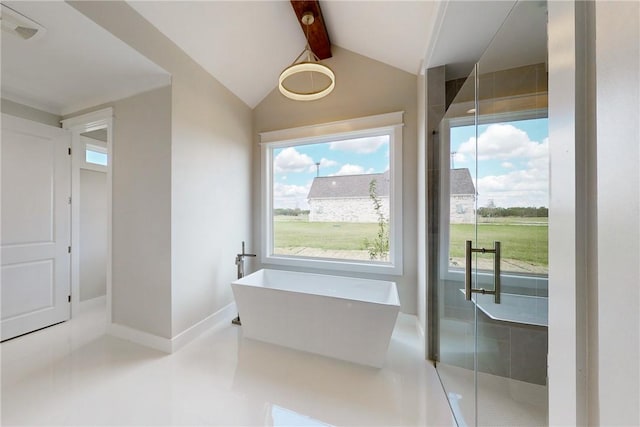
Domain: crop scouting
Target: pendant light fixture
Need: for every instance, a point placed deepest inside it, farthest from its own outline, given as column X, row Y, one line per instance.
column 307, row 62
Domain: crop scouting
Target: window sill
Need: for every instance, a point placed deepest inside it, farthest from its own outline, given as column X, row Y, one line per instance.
column 354, row 266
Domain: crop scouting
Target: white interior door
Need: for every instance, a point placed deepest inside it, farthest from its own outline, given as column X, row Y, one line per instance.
column 36, row 189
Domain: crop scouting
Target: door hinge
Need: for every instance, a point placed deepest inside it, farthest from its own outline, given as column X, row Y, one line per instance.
column 69, row 199
column 69, row 249
column 69, row 150
column 69, row 298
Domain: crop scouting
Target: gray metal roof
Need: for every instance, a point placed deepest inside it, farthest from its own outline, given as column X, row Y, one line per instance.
column 461, row 182
column 327, row 187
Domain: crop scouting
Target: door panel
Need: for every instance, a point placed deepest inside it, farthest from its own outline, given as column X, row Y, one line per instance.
column 457, row 316
column 27, row 288
column 493, row 188
column 36, row 186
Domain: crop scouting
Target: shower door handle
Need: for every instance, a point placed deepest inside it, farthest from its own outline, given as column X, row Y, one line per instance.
column 468, row 290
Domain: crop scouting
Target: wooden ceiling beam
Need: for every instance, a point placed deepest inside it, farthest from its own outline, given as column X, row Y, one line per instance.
column 318, row 36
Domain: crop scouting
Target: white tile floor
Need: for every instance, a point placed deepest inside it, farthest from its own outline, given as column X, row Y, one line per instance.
column 74, row 374
column 501, row 401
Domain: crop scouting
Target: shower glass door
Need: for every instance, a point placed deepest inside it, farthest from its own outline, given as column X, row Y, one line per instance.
column 492, row 261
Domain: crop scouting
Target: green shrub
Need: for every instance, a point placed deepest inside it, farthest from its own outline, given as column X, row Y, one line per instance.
column 378, row 247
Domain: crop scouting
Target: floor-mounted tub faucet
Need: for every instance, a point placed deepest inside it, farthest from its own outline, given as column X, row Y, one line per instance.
column 240, row 263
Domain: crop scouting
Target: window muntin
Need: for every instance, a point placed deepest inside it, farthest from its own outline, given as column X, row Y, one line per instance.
column 329, row 225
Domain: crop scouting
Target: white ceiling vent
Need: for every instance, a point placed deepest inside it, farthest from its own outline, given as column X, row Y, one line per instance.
column 15, row 23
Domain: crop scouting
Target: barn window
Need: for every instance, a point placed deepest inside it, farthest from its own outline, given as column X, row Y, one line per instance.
column 332, row 195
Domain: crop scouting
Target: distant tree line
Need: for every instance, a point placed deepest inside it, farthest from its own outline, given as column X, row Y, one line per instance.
column 290, row 212
column 530, row 212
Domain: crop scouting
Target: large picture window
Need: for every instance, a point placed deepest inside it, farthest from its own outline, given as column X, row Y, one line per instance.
column 332, row 195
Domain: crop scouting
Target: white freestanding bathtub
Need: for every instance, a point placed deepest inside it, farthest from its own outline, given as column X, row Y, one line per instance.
column 341, row 317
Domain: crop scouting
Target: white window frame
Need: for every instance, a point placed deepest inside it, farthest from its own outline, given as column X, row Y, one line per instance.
column 388, row 124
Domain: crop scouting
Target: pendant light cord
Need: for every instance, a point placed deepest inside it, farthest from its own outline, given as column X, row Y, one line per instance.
column 309, row 56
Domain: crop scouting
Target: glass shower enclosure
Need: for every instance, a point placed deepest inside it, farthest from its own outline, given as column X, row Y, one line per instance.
column 490, row 313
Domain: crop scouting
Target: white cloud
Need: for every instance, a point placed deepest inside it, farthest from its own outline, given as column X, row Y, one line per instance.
column 523, row 187
column 324, row 163
column 503, row 141
column 366, row 145
column 350, row 169
column 290, row 160
column 527, row 186
column 458, row 157
column 290, row 196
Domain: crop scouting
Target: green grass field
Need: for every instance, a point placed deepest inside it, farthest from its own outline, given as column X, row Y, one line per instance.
column 323, row 235
column 522, row 242
column 523, row 239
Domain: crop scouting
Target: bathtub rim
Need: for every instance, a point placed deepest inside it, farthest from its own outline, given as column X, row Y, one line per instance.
column 396, row 303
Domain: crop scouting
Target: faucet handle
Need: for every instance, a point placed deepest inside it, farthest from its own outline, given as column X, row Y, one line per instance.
column 240, row 256
column 243, row 254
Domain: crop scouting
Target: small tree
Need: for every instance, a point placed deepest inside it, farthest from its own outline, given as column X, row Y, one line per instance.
column 378, row 247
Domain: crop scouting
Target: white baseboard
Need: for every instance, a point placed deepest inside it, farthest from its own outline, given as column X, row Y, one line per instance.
column 92, row 303
column 217, row 320
column 139, row 337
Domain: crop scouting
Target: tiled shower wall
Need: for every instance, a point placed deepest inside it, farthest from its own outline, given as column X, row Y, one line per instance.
column 507, row 349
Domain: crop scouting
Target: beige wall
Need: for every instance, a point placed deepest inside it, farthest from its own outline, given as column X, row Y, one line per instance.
column 210, row 163
column 141, row 232
column 211, row 188
column 364, row 87
column 141, row 217
column 618, row 211
column 594, row 246
column 29, row 113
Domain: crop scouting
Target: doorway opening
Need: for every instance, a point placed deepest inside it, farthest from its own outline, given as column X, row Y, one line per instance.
column 91, row 177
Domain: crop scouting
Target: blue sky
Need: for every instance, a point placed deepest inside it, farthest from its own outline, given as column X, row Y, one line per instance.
column 513, row 161
column 295, row 167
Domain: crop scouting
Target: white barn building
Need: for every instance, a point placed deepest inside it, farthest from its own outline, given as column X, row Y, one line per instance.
column 346, row 198
column 462, row 197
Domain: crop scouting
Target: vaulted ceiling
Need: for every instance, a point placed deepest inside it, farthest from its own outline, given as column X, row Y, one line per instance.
column 246, row 44
column 243, row 44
